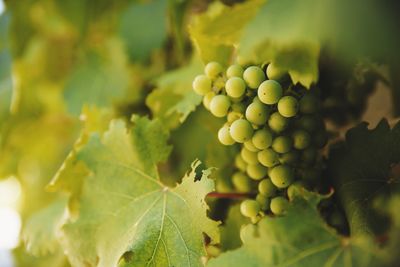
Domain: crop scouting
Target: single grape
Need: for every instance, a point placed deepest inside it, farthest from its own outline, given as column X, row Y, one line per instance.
column 207, row 99
column 241, row 130
column 224, row 136
column 282, row 176
column 248, row 156
column 201, row 84
column 263, row 201
column 301, row 139
column 279, row 205
column 253, row 76
column 235, row 87
column 234, row 71
column 233, row 115
column 267, row 188
column 239, row 107
column 282, row 144
column 256, row 171
column 309, row 104
column 240, row 163
column 249, row 145
column 288, row 106
column 219, row 105
column 274, row 73
column 236, row 99
column 250, row 208
column 268, row 157
column 241, row 182
column 291, row 157
column 270, row 92
column 257, row 113
column 295, row 189
column 262, row 139
column 223, row 184
column 213, row 69
column 256, row 100
column 277, row 122
column 309, row 155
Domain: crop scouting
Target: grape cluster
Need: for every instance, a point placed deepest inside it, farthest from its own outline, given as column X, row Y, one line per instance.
column 276, row 124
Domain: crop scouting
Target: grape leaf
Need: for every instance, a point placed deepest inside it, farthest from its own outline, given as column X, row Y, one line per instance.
column 230, row 230
column 300, row 238
column 5, row 68
column 123, row 210
column 361, row 171
column 173, row 99
column 215, row 32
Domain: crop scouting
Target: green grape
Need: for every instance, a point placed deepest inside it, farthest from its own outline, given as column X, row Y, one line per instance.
column 282, row 176
column 233, row 115
column 309, row 155
column 207, row 99
column 301, row 139
column 224, row 136
column 279, row 205
column 236, row 99
column 219, row 105
column 267, row 188
column 290, row 157
column 249, row 145
column 248, row 232
column 320, row 138
column 308, row 104
column 241, row 182
column 263, row 201
column 240, row 163
column 282, row 144
column 235, row 87
column 262, row 139
column 201, row 84
column 270, row 92
column 253, row 76
column 277, row 122
column 295, row 189
column 248, row 156
column 256, row 171
column 213, row 69
column 257, row 113
column 241, row 130
column 308, row 123
column 234, row 71
column 250, row 208
column 274, row 73
column 223, row 184
column 268, row 157
column 288, row 106
column 239, row 107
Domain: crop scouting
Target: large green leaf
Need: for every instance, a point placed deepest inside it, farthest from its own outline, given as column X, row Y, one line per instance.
column 121, row 212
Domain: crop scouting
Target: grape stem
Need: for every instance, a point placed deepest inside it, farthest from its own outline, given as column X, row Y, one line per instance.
column 230, row 195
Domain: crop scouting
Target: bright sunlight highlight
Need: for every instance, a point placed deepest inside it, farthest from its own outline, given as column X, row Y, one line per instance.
column 10, row 225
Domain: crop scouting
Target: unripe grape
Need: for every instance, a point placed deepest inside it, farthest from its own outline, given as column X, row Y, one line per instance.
column 257, row 100
column 239, row 107
column 282, row 176
column 219, row 105
column 309, row 104
column 234, row 71
column 269, row 92
column 233, row 115
column 240, row 163
column 301, row 139
column 248, row 156
column 267, row 188
column 257, row 113
column 268, row 157
column 207, row 99
column 253, row 76
column 295, row 189
column 236, row 99
column 224, row 136
column 241, row 182
column 241, row 130
column 274, row 73
column 201, row 84
column 235, row 87
column 262, row 139
column 291, row 157
column 263, row 201
column 288, row 106
column 250, row 208
column 249, row 145
column 277, row 122
column 282, row 144
column 256, row 171
column 213, row 69
column 279, row 205
column 248, row 232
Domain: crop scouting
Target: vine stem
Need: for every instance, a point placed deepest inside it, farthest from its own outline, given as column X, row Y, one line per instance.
column 229, row 195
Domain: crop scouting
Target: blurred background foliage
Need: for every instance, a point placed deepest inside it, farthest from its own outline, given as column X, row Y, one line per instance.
column 65, row 65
